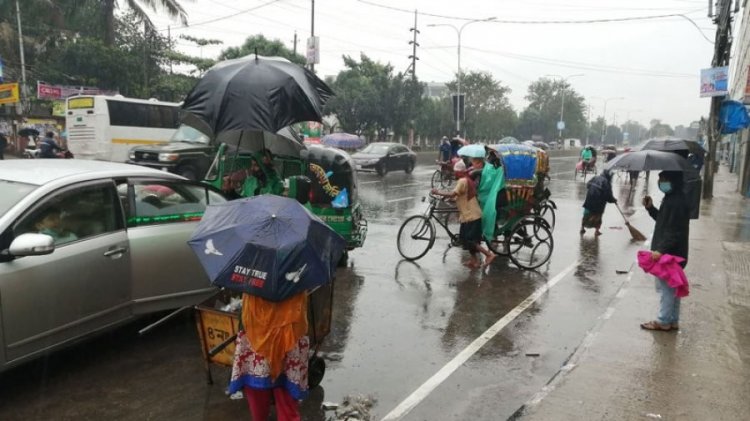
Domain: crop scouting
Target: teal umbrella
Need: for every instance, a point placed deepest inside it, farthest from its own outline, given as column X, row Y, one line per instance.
column 472, row 151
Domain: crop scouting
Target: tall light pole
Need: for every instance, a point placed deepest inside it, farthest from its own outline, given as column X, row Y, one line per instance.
column 604, row 125
column 459, row 30
column 562, row 102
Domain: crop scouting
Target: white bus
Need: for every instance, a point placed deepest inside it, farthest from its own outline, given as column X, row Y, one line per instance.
column 106, row 127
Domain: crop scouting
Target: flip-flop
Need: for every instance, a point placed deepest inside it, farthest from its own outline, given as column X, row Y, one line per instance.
column 654, row 325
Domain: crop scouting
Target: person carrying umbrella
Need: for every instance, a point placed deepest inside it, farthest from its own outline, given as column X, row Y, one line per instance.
column 670, row 237
column 272, row 250
column 48, row 148
column 598, row 194
column 3, row 145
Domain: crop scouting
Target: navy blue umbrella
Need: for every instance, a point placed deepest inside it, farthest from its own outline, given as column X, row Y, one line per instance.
column 268, row 246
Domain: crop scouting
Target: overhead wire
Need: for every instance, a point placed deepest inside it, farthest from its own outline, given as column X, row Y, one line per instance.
column 238, row 13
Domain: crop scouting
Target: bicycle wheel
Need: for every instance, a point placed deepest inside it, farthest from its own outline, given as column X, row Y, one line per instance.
column 497, row 244
column 437, row 179
column 447, row 181
column 530, row 243
column 415, row 237
column 547, row 212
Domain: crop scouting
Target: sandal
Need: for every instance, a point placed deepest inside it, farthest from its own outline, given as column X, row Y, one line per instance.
column 654, row 325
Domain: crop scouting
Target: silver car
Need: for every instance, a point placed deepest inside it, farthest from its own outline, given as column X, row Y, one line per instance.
column 88, row 245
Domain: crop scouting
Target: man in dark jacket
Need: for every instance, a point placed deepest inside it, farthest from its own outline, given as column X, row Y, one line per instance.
column 48, row 148
column 598, row 194
column 670, row 237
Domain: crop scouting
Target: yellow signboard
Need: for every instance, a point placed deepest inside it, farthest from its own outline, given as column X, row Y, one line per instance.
column 82, row 102
column 9, row 93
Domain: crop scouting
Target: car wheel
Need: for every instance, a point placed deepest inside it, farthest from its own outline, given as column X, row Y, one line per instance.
column 188, row 172
column 381, row 169
column 409, row 167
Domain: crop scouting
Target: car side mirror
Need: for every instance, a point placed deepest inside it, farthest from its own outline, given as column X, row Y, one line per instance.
column 31, row 244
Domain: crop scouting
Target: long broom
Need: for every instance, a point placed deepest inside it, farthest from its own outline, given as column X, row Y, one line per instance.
column 637, row 235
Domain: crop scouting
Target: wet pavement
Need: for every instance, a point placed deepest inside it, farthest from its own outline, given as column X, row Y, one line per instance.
column 398, row 324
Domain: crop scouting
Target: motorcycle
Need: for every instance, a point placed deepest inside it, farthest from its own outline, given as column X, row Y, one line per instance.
column 32, row 152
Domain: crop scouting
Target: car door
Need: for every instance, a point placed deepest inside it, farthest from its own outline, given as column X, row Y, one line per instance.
column 82, row 286
column 400, row 157
column 161, row 217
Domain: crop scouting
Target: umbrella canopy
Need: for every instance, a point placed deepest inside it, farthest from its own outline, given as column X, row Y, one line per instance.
column 472, row 151
column 283, row 143
column 254, row 93
column 28, row 132
column 650, row 160
column 674, row 144
column 343, row 141
column 508, row 140
column 269, row 246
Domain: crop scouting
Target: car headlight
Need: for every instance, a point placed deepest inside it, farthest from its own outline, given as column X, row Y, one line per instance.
column 168, row 157
column 131, row 156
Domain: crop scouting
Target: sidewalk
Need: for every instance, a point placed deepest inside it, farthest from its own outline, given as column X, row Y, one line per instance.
column 702, row 372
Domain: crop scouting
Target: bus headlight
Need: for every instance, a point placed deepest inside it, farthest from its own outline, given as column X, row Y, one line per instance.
column 168, row 157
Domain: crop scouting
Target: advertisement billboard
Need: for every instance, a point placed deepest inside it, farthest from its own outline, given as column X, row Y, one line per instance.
column 9, row 93
column 715, row 81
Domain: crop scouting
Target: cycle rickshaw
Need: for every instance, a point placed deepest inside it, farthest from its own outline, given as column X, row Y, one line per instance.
column 586, row 167
column 525, row 214
column 443, row 177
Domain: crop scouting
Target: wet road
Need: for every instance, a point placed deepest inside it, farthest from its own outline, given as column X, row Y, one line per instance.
column 396, row 325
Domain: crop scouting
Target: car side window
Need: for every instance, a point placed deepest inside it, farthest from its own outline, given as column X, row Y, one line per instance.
column 166, row 201
column 74, row 214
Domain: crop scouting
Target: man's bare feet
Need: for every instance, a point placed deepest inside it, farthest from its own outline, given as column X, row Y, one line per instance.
column 488, row 260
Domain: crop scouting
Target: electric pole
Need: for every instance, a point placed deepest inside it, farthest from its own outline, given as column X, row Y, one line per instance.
column 312, row 31
column 722, row 47
column 414, row 45
column 295, row 43
column 23, row 59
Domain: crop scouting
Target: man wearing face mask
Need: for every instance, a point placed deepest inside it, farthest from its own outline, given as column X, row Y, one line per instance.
column 670, row 237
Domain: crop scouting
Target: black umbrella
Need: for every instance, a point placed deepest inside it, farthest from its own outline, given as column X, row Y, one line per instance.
column 255, row 93
column 28, row 132
column 674, row 144
column 650, row 160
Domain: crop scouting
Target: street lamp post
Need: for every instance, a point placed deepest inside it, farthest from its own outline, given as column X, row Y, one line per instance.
column 604, row 115
column 562, row 103
column 459, row 30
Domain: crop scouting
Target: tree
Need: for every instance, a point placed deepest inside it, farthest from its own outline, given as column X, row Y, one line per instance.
column 264, row 47
column 172, row 7
column 636, row 132
column 596, row 128
column 659, row 129
column 487, row 113
column 545, row 96
column 370, row 98
column 613, row 135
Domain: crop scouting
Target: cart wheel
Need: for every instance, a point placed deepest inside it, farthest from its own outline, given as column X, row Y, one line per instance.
column 316, row 369
column 548, row 213
column 437, row 179
column 415, row 237
column 447, row 181
column 530, row 242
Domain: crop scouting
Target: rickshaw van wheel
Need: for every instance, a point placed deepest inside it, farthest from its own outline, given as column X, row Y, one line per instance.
column 316, row 369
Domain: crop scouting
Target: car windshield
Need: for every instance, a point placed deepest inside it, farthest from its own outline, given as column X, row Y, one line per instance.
column 190, row 135
column 11, row 193
column 376, row 149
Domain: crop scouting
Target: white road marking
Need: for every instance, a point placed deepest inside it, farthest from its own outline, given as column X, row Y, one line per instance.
column 370, row 182
column 438, row 378
column 400, row 200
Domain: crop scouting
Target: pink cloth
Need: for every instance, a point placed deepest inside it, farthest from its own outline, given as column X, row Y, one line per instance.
column 668, row 269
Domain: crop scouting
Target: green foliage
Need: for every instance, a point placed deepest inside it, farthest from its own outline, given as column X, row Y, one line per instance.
column 545, row 98
column 369, row 97
column 264, row 47
column 487, row 111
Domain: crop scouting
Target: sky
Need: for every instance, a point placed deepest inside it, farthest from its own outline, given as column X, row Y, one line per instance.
column 642, row 69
